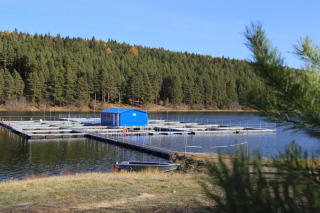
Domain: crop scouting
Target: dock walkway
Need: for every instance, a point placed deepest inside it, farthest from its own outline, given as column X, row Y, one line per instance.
column 125, row 142
column 78, row 132
column 15, row 129
column 74, row 128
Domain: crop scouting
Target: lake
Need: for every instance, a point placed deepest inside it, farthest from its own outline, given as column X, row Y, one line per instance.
column 20, row 157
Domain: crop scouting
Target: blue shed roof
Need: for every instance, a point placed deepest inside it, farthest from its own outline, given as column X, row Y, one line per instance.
column 120, row 110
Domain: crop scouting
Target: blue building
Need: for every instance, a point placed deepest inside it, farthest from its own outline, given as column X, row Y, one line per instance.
column 124, row 117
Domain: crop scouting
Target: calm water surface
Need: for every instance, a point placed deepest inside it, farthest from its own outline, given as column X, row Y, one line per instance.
column 267, row 145
column 19, row 156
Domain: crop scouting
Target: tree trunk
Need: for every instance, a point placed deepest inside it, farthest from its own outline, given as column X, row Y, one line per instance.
column 132, row 101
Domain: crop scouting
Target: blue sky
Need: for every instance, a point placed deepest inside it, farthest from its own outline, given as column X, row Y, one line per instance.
column 205, row 27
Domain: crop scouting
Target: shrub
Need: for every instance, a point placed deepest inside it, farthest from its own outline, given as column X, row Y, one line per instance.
column 234, row 106
column 290, row 185
column 214, row 105
column 161, row 103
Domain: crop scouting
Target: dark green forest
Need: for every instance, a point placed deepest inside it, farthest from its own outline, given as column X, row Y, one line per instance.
column 44, row 70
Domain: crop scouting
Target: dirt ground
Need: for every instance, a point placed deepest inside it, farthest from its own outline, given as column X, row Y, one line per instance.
column 149, row 108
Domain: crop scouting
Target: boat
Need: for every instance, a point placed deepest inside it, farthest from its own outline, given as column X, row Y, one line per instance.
column 143, row 165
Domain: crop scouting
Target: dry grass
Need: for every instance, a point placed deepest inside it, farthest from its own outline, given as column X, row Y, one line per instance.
column 111, row 192
column 150, row 108
column 148, row 191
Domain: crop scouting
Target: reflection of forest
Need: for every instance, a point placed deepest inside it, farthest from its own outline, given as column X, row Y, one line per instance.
column 20, row 157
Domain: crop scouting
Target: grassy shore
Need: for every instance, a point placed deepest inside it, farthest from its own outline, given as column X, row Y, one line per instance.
column 148, row 191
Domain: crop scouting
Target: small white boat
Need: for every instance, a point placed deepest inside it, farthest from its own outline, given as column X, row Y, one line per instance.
column 143, row 165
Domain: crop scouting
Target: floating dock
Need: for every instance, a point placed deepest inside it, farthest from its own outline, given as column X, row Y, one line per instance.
column 50, row 131
column 75, row 128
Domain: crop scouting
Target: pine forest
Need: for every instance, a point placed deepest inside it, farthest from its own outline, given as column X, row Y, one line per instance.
column 48, row 71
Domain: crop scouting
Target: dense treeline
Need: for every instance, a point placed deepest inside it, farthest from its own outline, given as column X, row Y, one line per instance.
column 42, row 69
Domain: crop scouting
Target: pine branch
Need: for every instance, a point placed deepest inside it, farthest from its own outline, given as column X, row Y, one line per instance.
column 294, row 95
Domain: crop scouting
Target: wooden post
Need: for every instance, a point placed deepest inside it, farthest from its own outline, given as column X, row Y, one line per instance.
column 185, row 150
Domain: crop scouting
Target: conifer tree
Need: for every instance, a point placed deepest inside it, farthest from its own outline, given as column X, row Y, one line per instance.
column 220, row 91
column 156, row 82
column 175, row 89
column 54, row 87
column 231, row 90
column 1, row 85
column 33, row 87
column 104, row 77
column 19, row 84
column 83, row 92
column 8, row 88
column 191, row 92
column 147, row 95
column 185, row 88
column 69, row 85
column 134, row 88
column 200, row 90
column 208, row 90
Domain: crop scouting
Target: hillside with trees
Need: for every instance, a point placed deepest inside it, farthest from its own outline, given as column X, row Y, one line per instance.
column 47, row 71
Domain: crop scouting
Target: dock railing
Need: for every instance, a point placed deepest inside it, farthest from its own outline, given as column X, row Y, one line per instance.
column 49, row 117
column 80, row 117
column 214, row 121
column 184, row 120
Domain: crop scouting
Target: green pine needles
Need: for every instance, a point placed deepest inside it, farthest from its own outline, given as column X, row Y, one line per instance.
column 293, row 94
column 289, row 184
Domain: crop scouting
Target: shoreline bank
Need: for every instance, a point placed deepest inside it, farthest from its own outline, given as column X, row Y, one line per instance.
column 158, row 111
column 149, row 108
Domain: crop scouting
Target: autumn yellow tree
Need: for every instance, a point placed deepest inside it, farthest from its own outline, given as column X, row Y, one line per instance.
column 108, row 50
column 134, row 51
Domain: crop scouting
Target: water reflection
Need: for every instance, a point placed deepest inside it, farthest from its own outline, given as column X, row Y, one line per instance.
column 53, row 157
column 265, row 144
column 19, row 157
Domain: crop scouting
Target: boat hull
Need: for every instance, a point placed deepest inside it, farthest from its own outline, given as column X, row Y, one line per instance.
column 140, row 166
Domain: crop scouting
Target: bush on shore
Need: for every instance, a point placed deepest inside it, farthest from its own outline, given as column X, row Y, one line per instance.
column 291, row 184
